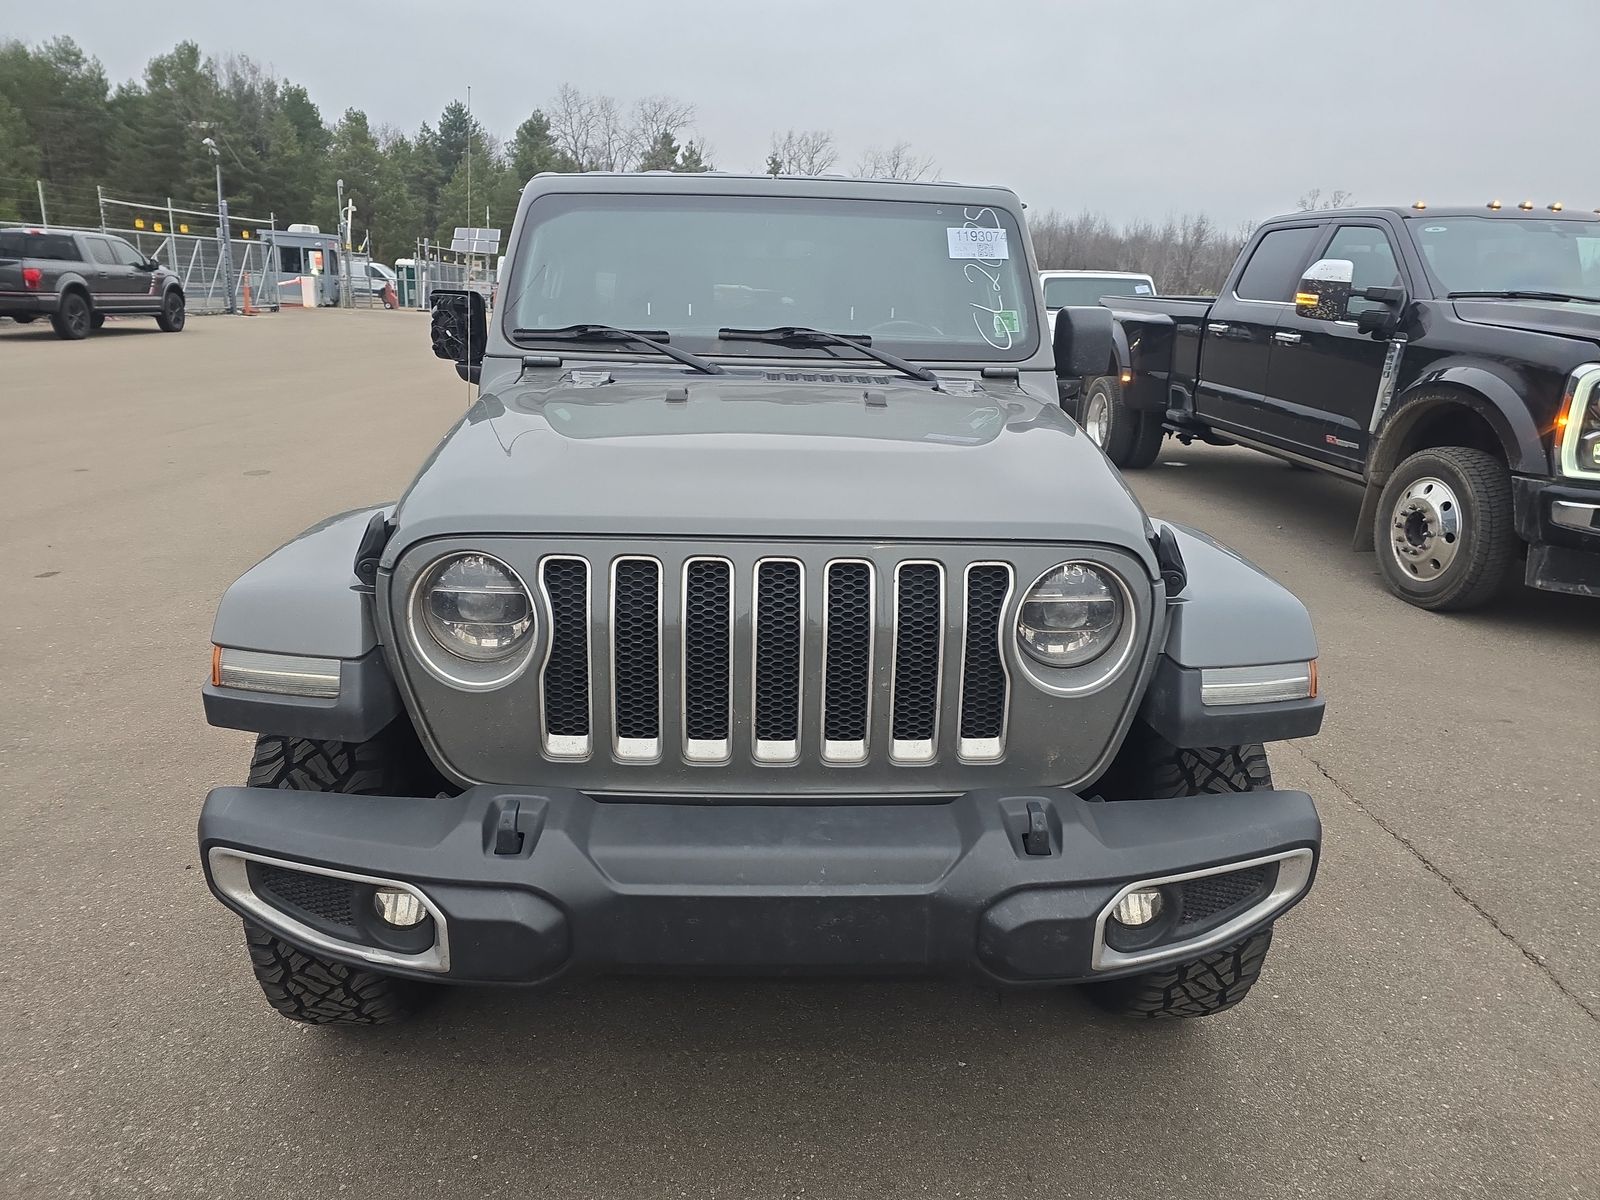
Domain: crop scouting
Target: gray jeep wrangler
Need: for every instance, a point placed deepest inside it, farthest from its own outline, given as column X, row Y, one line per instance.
column 765, row 614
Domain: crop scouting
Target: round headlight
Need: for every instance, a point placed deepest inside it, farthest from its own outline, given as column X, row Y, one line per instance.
column 1071, row 616
column 475, row 608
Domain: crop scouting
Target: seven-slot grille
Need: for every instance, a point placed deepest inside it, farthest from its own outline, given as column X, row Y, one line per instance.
column 878, row 624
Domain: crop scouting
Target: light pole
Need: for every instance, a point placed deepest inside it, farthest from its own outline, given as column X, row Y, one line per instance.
column 224, row 236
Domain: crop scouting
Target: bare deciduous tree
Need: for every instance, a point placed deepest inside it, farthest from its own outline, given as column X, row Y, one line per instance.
column 591, row 130
column 1338, row 198
column 802, row 152
column 899, row 161
column 1185, row 255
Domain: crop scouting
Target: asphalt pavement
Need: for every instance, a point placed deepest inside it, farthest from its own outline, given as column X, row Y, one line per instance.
column 1428, row 1023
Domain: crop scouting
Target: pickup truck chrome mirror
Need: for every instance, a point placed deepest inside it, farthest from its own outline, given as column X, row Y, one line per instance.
column 1324, row 291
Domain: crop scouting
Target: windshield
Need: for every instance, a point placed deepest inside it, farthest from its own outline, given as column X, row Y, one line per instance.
column 1081, row 291
column 908, row 274
column 1484, row 254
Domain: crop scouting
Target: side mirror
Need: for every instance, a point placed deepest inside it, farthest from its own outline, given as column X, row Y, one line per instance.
column 1324, row 291
column 459, row 329
column 1083, row 341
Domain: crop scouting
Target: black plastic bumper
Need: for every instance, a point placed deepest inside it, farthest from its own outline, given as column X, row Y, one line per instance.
column 533, row 883
column 1561, row 524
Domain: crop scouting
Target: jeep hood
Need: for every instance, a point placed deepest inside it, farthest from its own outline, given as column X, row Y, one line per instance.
column 741, row 457
column 1571, row 319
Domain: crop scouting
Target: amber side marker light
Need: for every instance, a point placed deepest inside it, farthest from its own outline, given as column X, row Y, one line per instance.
column 1126, row 377
column 1526, row 206
column 216, row 666
column 1557, row 206
column 1495, row 205
column 1308, row 299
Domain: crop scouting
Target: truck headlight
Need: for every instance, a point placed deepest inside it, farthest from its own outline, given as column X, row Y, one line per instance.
column 1071, row 616
column 1579, row 426
column 476, row 608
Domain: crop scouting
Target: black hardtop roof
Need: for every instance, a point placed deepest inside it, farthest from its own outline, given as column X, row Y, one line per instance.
column 723, row 183
column 1506, row 212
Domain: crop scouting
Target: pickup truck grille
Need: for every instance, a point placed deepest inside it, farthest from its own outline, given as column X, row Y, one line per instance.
column 674, row 631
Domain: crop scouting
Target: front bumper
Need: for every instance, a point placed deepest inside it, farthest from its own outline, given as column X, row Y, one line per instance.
column 521, row 886
column 1561, row 524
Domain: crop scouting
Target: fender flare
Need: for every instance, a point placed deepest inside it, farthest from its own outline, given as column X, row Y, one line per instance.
column 305, row 598
column 1486, row 392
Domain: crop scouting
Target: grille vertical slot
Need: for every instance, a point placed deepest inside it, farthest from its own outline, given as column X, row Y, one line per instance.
column 565, row 679
column 636, row 658
column 918, row 660
column 707, row 659
column 985, row 684
column 847, row 646
column 777, row 639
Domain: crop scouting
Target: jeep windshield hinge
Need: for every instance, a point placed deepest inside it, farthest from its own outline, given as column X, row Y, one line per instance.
column 373, row 540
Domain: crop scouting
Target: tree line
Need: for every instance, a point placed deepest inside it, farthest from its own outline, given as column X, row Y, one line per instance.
column 63, row 124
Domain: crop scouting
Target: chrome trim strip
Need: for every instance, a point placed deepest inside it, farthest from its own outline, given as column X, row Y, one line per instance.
column 703, row 750
column 767, row 751
column 850, row 752
column 1570, row 514
column 1294, row 876
column 916, row 750
column 229, row 871
column 567, row 746
column 985, row 750
column 637, row 750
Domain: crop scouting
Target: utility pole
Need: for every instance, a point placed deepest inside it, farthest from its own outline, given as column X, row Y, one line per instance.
column 224, row 235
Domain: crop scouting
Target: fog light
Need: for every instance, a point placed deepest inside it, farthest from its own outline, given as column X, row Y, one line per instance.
column 1138, row 908
column 399, row 908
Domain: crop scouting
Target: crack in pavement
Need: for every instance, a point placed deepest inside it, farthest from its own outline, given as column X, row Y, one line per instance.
column 1536, row 959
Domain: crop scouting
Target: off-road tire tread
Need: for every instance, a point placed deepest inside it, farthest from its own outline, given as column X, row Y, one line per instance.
column 306, row 987
column 1207, row 771
column 1492, row 546
column 320, row 992
column 1201, row 987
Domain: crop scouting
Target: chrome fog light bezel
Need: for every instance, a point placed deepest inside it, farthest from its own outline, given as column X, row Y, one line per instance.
column 1294, row 877
column 230, row 874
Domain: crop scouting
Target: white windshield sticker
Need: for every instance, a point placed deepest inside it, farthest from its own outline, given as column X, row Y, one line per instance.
column 1141, row 289
column 978, row 241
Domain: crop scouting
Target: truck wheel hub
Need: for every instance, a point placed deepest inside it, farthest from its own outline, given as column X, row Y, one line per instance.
column 1097, row 417
column 1425, row 530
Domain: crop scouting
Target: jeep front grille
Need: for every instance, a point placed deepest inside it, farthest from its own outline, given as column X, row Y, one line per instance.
column 878, row 626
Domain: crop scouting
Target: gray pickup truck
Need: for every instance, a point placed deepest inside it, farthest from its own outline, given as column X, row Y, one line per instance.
column 763, row 613
column 78, row 279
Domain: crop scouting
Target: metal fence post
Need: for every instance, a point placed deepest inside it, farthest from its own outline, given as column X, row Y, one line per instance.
column 100, row 198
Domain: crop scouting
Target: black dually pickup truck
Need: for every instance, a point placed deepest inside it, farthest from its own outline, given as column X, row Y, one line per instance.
column 1448, row 360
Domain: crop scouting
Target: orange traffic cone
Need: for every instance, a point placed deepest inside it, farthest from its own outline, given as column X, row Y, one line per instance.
column 249, row 309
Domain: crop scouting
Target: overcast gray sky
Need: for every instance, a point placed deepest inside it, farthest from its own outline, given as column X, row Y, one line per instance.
column 1129, row 107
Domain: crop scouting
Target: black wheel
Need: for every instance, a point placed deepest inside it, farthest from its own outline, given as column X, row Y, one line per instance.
column 74, row 319
column 1130, row 440
column 1443, row 531
column 306, row 987
column 173, row 313
column 98, row 320
column 1220, row 978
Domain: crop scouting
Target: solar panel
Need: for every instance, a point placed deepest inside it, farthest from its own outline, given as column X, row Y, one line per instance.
column 475, row 241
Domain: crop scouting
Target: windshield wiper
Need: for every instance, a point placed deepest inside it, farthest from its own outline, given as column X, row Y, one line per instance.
column 1519, row 294
column 800, row 335
column 656, row 339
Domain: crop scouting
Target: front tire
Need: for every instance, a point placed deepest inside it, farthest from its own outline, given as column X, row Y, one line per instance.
column 74, row 319
column 173, row 312
column 1444, row 532
column 1218, row 979
column 306, row 987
